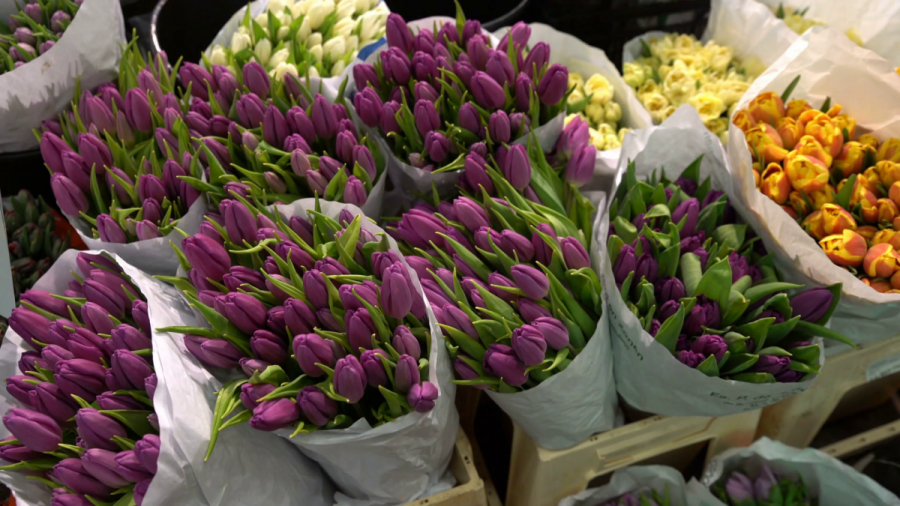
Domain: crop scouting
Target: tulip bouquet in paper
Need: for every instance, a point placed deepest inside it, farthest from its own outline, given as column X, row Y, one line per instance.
column 284, row 141
column 702, row 284
column 323, row 319
column 115, row 162
column 679, row 69
column 592, row 101
column 799, row 22
column 86, row 426
column 738, row 489
column 306, row 37
column 435, row 93
column 34, row 30
column 33, row 238
column 843, row 188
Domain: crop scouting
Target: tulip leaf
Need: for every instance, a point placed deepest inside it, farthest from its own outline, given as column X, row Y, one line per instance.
column 468, row 258
column 846, row 193
column 136, row 420
column 658, row 211
column 774, row 351
column 200, row 331
column 224, row 399
column 715, row 283
column 490, row 331
column 812, row 330
column 781, row 330
column 709, row 367
column 469, row 345
column 754, row 377
column 587, row 323
column 737, row 304
column 691, row 272
column 223, row 327
column 671, row 329
column 40, row 464
column 732, row 235
column 290, row 389
column 758, row 331
column 803, row 367
column 613, row 247
column 378, row 317
column 668, row 261
column 740, row 362
column 741, row 285
column 757, row 293
column 809, row 354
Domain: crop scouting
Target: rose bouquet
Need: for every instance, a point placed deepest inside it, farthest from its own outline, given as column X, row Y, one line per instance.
column 842, row 188
column 35, row 29
column 703, row 286
column 592, row 101
column 678, row 69
column 306, row 37
column 86, row 426
column 434, row 94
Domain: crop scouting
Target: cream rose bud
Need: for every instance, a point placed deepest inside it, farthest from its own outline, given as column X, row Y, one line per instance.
column 263, row 51
column 352, row 43
column 284, row 68
column 612, row 112
column 708, row 106
column 621, row 134
column 338, row 68
column 218, row 56
column 316, row 51
column 576, row 79
column 314, row 39
column 599, row 87
column 279, row 57
column 594, row 111
column 605, row 129
column 344, row 27
column 335, row 48
column 305, row 30
column 345, row 8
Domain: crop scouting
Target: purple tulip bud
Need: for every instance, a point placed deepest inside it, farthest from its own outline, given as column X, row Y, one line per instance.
column 17, row 453
column 531, row 281
column 256, row 79
column 704, row 314
column 72, row 473
column 101, row 464
column 501, row 361
column 553, row 84
column 317, row 407
column 398, row 34
column 487, row 92
column 407, row 373
column 360, row 328
column 300, row 123
column 500, row 68
column 469, row 118
column 690, row 358
column 47, row 398
column 669, row 289
column 207, row 256
column 388, row 117
column 38, row 432
column 771, row 364
column 554, row 331
column 59, row 21
column 517, row 167
column 811, row 305
column 25, row 35
column 536, row 59
column 213, row 352
column 275, row 127
column 423, row 66
column 426, row 117
column 364, row 76
column 68, row 195
column 574, row 254
column 422, row 396
column 710, row 345
column 529, row 344
column 580, row 167
column 406, row 343
column 530, row 310
column 350, row 379
column 52, row 149
column 137, row 110
column 499, row 127
column 246, row 312
column 355, row 192
column 128, row 465
column 147, row 451
column 471, row 214
column 251, row 394
column 375, row 373
column 251, row 110
column 626, row 263
column 299, row 317
column 97, row 430
column 647, row 268
column 323, row 118
column 310, row 349
column 739, row 488
column 689, row 209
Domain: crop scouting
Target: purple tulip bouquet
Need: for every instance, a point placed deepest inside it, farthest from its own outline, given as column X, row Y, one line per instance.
column 767, row 488
column 85, row 424
column 35, row 29
column 433, row 94
column 646, row 498
column 703, row 286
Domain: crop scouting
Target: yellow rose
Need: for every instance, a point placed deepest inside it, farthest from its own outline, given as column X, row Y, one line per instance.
column 599, row 89
column 597, row 139
column 662, row 114
column 686, row 43
column 680, row 80
column 708, row 106
column 719, row 56
column 612, row 112
column 634, row 74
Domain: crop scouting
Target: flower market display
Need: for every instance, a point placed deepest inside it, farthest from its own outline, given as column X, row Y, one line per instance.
column 35, row 29
column 303, row 38
column 33, row 238
column 679, row 69
column 592, row 101
column 703, row 286
column 433, row 94
column 85, row 425
column 636, row 486
column 738, row 489
column 841, row 185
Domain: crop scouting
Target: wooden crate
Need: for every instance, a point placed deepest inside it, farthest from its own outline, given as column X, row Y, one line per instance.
column 469, row 489
column 541, row 477
column 850, row 382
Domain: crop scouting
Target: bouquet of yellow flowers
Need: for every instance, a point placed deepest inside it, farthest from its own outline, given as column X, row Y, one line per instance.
column 592, row 101
column 796, row 20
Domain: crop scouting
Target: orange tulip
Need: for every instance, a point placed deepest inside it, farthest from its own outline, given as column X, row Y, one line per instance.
column 887, row 210
column 872, row 180
column 868, row 140
column 799, row 204
column 867, row 231
column 888, row 171
column 790, row 211
column 814, row 225
column 809, row 146
column 894, row 195
column 897, row 222
column 820, row 126
column 764, row 139
column 886, row 236
column 797, row 107
column 889, row 150
column 755, row 177
column 895, row 281
column 844, row 122
column 805, row 174
column 789, row 131
column 836, row 219
column 850, row 160
column 767, row 107
column 879, row 285
column 864, row 197
column 774, row 184
column 881, row 261
column 834, row 111
column 822, row 197
column 743, row 120
column 846, row 249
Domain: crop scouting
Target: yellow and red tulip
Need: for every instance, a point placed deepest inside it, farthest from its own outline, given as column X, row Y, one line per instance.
column 744, row 120
column 867, row 231
column 879, row 285
column 789, row 131
column 888, row 172
column 821, row 126
column 814, row 224
column 797, row 107
column 886, row 236
column 847, row 248
column 895, row 281
column 881, row 261
column 806, row 174
column 836, row 219
column 864, row 197
column 844, row 122
column 887, row 210
column 766, row 142
column 894, row 195
column 809, row 146
column 774, row 184
column 850, row 160
column 889, row 150
column 868, row 140
column 767, row 107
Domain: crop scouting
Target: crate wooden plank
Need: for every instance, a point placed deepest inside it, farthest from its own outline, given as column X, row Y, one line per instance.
column 469, row 489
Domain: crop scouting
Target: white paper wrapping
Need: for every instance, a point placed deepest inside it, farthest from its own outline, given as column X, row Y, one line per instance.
column 90, row 48
column 247, row 464
column 823, row 60
column 394, row 463
column 648, row 376
column 154, row 256
column 828, row 479
column 666, row 481
column 587, row 60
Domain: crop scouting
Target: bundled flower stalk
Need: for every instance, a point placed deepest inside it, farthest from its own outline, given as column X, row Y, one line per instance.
column 704, row 287
column 306, row 37
column 679, row 69
column 323, row 319
column 34, row 242
column 843, row 188
column 768, row 488
column 796, row 20
column 509, row 280
column 86, row 425
column 116, row 162
column 592, row 101
column 278, row 139
column 35, row 29
column 434, row 94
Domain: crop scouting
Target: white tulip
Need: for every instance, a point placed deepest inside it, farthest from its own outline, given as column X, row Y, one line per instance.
column 283, row 32
column 352, row 43
column 305, row 30
column 338, row 68
column 353, row 55
column 314, row 40
column 284, row 68
column 218, row 56
column 343, row 28
column 263, row 51
column 371, row 25
column 380, row 7
column 318, row 11
column 313, row 72
column 284, row 18
column 316, row 51
column 346, row 8
column 279, row 57
column 276, row 6
column 361, row 6
column 300, row 8
column 263, row 20
column 335, row 48
column 240, row 41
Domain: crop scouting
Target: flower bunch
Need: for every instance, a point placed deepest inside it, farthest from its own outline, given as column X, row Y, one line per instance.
column 679, row 69
column 34, row 242
column 796, row 20
column 323, row 318
column 435, row 93
column 306, row 37
column 700, row 285
column 87, row 424
column 768, row 488
column 592, row 101
column 34, row 30
column 843, row 188
column 510, row 282
column 116, row 159
column 645, row 498
column 282, row 140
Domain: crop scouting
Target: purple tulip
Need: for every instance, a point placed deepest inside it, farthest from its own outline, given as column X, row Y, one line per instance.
column 471, row 214
column 300, row 123
column 500, row 68
column 771, row 364
column 423, row 66
column 530, row 310
column 207, row 256
column 669, row 289
column 487, row 92
column 38, row 432
column 80, row 377
column 705, row 313
column 580, row 167
column 708, row 344
column 689, row 209
column 17, row 453
column 396, row 293
column 108, row 400
column 477, row 51
column 626, row 263
column 101, row 464
column 47, row 398
column 364, row 76
column 739, row 488
column 536, row 59
column 690, row 358
column 350, row 379
column 426, row 117
column 317, row 407
column 299, row 317
column 97, row 430
column 251, row 394
column 59, row 21
column 68, row 195
column 360, row 328
column 355, row 192
column 323, row 118
column 501, row 361
column 422, row 396
column 72, row 473
column 256, row 79
column 371, row 363
column 246, row 312
column 406, row 343
column 437, row 146
column 811, row 305
column 310, row 349
column 128, row 465
column 517, row 167
column 213, row 352
column 553, row 84
column 147, row 451
column 268, row 346
column 275, row 127
column 533, row 283
column 554, row 331
column 529, row 344
column 398, row 34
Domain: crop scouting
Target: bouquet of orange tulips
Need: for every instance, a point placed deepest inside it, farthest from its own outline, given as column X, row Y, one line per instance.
column 841, row 185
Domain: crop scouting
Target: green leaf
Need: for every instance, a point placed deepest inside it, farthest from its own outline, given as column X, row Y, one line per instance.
column 790, row 89
column 709, row 367
column 625, row 229
column 671, row 329
column 761, row 291
column 758, row 331
column 716, row 283
column 811, row 329
column 732, row 235
column 136, row 420
column 843, row 196
column 691, row 273
column 754, row 377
